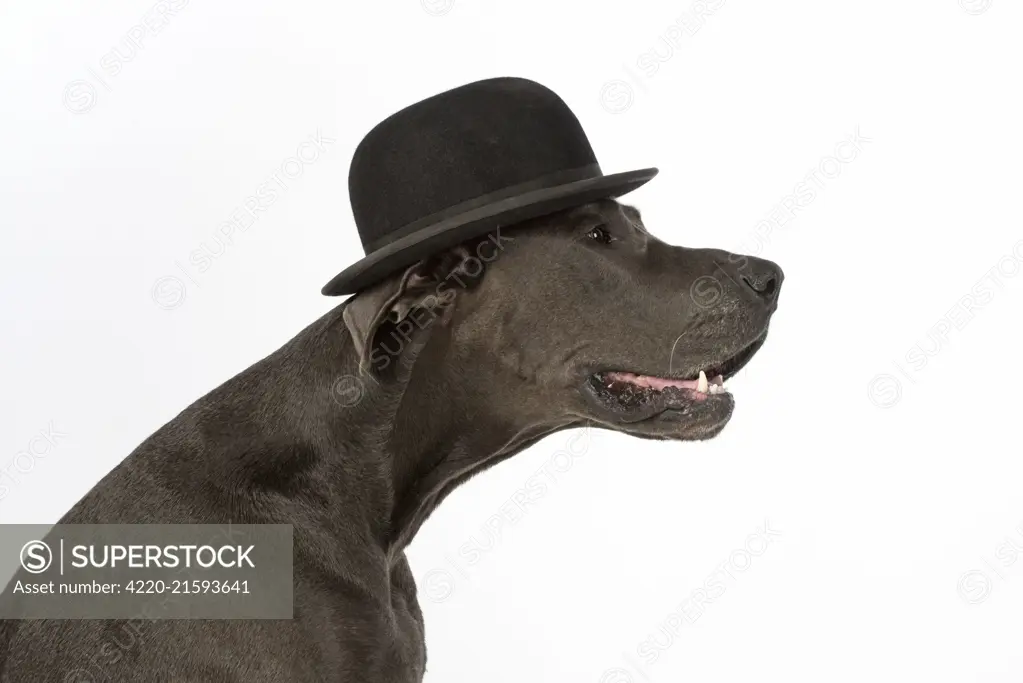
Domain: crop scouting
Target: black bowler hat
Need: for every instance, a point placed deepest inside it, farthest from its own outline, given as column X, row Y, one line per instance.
column 462, row 163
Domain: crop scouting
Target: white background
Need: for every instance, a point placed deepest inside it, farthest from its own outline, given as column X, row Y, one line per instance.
column 890, row 484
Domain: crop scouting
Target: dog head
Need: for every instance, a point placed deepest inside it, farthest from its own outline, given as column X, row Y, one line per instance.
column 578, row 316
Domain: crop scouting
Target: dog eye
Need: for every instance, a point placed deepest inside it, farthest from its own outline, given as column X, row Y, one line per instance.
column 600, row 234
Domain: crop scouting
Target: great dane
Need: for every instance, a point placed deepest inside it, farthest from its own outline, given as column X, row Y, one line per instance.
column 355, row 430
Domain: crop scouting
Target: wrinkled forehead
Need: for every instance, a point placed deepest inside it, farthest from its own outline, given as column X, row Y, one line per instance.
column 550, row 232
column 605, row 209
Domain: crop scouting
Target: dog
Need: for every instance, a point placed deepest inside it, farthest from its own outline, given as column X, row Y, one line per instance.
column 355, row 430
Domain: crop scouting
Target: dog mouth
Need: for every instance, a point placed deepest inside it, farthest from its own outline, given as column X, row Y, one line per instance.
column 698, row 393
column 628, row 385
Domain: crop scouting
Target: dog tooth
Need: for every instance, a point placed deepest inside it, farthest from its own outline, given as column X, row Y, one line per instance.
column 701, row 386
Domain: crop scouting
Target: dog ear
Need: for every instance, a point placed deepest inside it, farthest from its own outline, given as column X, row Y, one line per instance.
column 370, row 308
column 399, row 303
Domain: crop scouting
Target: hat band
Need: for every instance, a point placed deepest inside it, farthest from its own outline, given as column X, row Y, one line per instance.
column 543, row 182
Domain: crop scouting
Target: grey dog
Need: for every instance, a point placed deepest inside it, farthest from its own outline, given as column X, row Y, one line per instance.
column 355, row 430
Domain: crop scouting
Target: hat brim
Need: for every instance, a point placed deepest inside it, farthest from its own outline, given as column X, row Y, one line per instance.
column 454, row 230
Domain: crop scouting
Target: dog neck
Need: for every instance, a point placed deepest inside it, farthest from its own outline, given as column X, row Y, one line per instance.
column 306, row 437
column 437, row 427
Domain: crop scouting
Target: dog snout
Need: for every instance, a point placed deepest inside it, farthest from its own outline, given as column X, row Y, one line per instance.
column 764, row 278
column 756, row 279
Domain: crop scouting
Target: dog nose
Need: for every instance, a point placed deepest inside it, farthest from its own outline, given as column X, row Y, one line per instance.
column 764, row 278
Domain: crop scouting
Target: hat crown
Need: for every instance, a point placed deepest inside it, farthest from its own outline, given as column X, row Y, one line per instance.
column 457, row 146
